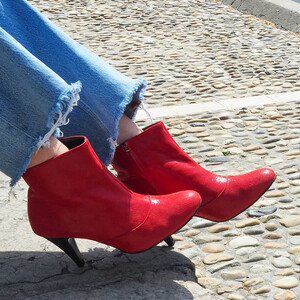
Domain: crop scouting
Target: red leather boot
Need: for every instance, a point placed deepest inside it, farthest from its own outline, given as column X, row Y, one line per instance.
column 74, row 196
column 152, row 162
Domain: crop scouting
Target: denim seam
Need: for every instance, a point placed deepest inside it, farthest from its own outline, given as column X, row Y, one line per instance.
column 89, row 111
column 77, row 86
column 61, row 108
column 17, row 128
column 138, row 89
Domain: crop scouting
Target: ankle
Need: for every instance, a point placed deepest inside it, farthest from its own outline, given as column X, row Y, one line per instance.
column 43, row 154
column 127, row 130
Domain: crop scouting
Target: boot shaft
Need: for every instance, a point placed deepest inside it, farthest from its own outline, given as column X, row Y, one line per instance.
column 74, row 193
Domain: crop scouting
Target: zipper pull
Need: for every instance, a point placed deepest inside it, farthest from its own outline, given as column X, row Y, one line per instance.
column 126, row 148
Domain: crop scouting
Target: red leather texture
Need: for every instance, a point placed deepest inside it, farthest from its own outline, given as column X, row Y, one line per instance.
column 152, row 162
column 74, row 195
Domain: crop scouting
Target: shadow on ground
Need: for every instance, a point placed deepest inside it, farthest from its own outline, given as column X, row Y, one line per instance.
column 154, row 274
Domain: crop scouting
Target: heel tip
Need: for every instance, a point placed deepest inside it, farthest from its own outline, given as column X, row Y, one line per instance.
column 170, row 241
column 80, row 264
column 69, row 246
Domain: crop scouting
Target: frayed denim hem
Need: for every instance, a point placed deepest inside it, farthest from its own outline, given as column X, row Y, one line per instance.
column 137, row 94
column 57, row 117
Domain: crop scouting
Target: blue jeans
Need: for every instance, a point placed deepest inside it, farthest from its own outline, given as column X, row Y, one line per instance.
column 42, row 73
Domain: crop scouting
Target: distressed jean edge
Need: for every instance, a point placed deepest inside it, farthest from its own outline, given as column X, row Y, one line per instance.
column 57, row 117
column 135, row 94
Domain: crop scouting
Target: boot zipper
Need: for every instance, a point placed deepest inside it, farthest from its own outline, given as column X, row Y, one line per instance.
column 126, row 148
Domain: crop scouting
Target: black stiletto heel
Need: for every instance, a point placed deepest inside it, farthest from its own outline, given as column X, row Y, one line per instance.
column 69, row 246
column 170, row 241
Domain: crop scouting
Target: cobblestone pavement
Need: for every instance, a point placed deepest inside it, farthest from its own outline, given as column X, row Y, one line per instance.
column 189, row 51
column 254, row 256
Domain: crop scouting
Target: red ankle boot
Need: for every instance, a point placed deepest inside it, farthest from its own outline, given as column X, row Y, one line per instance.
column 74, row 196
column 152, row 162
